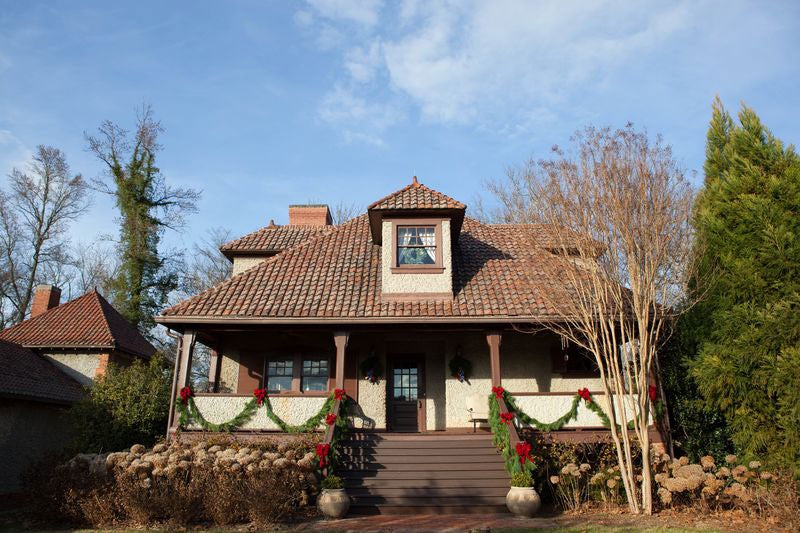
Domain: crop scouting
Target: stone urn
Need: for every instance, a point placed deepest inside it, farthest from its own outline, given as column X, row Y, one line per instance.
column 523, row 502
column 334, row 503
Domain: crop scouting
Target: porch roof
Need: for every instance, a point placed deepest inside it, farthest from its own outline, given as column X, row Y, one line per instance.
column 499, row 274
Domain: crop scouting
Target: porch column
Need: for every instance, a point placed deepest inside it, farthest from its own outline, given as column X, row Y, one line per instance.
column 493, row 340
column 340, row 338
column 185, row 361
column 183, row 358
column 214, row 368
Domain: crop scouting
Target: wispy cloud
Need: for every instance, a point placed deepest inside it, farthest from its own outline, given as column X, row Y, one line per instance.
column 511, row 66
column 13, row 152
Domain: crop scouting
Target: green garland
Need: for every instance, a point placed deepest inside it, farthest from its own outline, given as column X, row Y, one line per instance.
column 309, row 425
column 500, row 431
column 189, row 412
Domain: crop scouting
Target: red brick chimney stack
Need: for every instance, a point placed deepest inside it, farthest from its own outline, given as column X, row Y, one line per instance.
column 45, row 297
column 309, row 215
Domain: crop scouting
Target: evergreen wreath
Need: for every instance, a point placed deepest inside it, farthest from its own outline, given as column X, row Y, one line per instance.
column 371, row 369
column 460, row 368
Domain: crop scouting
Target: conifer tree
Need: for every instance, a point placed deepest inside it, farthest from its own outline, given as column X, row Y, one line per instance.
column 747, row 328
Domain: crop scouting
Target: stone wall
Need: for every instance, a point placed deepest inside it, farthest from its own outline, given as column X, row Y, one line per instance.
column 82, row 367
column 28, row 432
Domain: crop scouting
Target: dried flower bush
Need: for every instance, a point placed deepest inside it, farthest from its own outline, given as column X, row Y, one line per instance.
column 178, row 485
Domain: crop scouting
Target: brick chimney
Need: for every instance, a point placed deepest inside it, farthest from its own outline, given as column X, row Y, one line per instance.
column 45, row 297
column 309, row 215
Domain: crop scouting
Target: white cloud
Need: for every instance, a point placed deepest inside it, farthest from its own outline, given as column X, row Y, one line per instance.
column 357, row 118
column 511, row 66
column 365, row 12
column 13, row 153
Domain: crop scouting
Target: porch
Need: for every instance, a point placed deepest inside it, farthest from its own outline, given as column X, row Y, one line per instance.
column 412, row 389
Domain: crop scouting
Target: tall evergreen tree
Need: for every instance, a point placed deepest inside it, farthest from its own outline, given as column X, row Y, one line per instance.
column 747, row 329
column 147, row 207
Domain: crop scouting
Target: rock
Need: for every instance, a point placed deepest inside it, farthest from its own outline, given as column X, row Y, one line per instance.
column 158, row 448
column 214, row 449
column 244, row 451
column 271, row 456
column 290, row 454
column 235, row 467
column 138, row 449
column 264, row 464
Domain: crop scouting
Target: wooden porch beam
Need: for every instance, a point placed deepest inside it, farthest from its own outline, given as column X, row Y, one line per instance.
column 340, row 338
column 493, row 339
column 214, row 369
column 185, row 361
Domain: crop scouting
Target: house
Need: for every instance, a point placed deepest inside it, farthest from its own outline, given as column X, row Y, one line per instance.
column 382, row 306
column 45, row 363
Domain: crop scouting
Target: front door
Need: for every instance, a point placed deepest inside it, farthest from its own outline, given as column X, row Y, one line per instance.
column 406, row 408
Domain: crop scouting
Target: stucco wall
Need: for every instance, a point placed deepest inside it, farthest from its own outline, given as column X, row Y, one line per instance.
column 372, row 401
column 525, row 366
column 435, row 372
column 242, row 263
column 416, row 283
column 293, row 411
column 229, row 371
column 28, row 431
column 81, row 367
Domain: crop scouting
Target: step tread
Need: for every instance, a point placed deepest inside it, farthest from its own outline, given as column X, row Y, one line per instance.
column 458, row 500
column 393, row 483
column 425, row 475
column 427, row 492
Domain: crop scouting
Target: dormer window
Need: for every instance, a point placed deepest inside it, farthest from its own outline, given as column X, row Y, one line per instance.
column 417, row 246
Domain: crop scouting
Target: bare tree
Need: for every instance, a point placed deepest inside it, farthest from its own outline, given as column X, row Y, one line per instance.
column 343, row 212
column 207, row 266
column 618, row 209
column 94, row 266
column 35, row 214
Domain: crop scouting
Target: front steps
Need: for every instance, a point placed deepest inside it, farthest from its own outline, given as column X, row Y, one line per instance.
column 391, row 473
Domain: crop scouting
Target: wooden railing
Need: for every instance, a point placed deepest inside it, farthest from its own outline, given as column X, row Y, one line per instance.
column 329, row 434
column 513, row 435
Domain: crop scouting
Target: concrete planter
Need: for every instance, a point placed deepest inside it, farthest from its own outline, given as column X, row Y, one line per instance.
column 523, row 502
column 334, row 503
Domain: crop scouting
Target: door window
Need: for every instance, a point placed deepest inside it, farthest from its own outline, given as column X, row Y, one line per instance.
column 405, row 382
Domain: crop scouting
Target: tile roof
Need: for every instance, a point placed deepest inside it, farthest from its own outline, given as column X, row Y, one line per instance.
column 24, row 374
column 272, row 239
column 497, row 274
column 416, row 196
column 85, row 322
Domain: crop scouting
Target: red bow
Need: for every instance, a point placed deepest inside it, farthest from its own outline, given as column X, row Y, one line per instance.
column 330, row 419
column 260, row 394
column 584, row 393
column 323, row 450
column 652, row 391
column 524, row 452
column 186, row 393
column 338, row 394
column 498, row 392
column 506, row 417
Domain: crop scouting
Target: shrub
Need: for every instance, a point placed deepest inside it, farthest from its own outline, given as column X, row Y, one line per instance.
column 522, row 479
column 126, row 406
column 332, row 482
column 179, row 485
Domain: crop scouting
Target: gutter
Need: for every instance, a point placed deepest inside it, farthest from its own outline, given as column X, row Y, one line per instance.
column 186, row 319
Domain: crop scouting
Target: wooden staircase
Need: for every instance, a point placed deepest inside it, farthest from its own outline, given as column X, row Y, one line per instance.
column 391, row 473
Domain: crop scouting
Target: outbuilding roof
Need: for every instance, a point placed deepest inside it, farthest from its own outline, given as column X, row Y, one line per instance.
column 85, row 322
column 26, row 375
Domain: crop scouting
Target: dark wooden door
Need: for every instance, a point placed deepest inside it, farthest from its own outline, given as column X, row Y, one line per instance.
column 406, row 394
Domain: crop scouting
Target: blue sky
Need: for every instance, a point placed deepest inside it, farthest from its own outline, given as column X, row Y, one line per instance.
column 271, row 103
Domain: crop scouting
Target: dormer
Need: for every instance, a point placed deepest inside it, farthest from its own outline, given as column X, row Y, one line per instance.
column 416, row 228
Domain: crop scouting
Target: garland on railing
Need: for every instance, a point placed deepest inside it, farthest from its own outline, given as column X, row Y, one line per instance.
column 499, row 422
column 189, row 413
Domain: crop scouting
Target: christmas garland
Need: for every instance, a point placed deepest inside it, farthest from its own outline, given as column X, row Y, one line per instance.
column 326, row 453
column 460, row 368
column 520, row 459
column 187, row 408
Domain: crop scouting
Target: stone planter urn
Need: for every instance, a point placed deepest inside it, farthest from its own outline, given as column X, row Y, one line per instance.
column 334, row 503
column 523, row 502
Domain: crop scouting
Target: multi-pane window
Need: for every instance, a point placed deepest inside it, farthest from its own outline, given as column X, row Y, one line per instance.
column 315, row 374
column 405, row 382
column 416, row 245
column 279, row 375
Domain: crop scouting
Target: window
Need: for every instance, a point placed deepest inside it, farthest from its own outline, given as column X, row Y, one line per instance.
column 405, row 382
column 315, row 374
column 279, row 375
column 416, row 245
column 298, row 373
